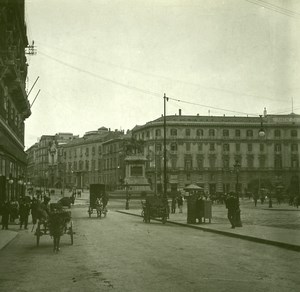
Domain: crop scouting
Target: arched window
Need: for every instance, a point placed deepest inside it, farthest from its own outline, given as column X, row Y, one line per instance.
column 249, row 133
column 225, row 133
column 173, row 146
column 199, row 132
column 173, row 132
column 211, row 133
column 277, row 133
column 294, row 133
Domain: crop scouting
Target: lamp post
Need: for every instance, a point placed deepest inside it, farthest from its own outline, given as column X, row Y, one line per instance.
column 127, row 197
column 237, row 167
column 10, row 183
column 21, row 184
column 261, row 134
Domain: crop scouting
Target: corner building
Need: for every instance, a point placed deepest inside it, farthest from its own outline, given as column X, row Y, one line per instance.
column 14, row 105
column 84, row 162
column 204, row 150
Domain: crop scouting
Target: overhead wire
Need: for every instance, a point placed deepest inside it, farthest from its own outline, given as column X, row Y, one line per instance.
column 165, row 77
column 275, row 8
column 101, row 77
column 156, row 94
column 211, row 107
column 279, row 7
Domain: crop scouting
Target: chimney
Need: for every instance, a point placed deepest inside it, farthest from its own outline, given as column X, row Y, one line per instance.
column 180, row 111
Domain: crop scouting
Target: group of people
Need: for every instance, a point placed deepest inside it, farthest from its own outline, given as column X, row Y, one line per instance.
column 20, row 210
column 177, row 201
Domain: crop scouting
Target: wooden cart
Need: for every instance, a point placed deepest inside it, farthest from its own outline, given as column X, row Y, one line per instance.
column 155, row 207
column 97, row 203
column 44, row 225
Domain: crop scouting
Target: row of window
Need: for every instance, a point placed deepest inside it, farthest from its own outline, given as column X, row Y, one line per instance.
column 85, row 165
column 188, row 162
column 212, row 133
column 225, row 147
column 106, row 149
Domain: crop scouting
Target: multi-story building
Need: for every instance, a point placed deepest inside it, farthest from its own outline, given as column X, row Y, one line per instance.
column 45, row 161
column 14, row 105
column 83, row 158
column 113, row 168
column 223, row 153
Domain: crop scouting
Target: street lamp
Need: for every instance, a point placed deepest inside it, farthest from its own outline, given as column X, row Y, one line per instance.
column 237, row 167
column 21, row 185
column 10, row 182
column 261, row 134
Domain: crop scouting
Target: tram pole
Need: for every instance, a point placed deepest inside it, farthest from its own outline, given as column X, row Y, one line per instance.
column 165, row 148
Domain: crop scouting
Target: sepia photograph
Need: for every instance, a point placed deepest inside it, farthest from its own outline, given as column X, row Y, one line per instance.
column 149, row 146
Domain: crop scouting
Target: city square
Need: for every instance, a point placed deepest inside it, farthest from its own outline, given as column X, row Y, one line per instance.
column 149, row 145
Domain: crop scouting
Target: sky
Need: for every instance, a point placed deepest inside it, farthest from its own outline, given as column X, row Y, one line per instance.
column 109, row 62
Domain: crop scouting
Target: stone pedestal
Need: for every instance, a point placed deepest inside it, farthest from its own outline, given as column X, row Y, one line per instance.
column 135, row 177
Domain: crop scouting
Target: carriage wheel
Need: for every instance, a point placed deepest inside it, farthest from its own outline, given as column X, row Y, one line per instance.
column 71, row 233
column 38, row 234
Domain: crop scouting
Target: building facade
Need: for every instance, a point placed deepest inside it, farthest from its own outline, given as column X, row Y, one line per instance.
column 222, row 153
column 45, row 161
column 83, row 158
column 14, row 105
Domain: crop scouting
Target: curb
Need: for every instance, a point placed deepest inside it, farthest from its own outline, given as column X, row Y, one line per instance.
column 225, row 233
column 7, row 242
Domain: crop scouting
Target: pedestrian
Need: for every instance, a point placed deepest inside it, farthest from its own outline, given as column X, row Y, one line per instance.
column 14, row 211
column 255, row 198
column 180, row 203
column 199, row 208
column 34, row 210
column 24, row 213
column 173, row 205
column 297, row 201
column 57, row 222
column 232, row 207
column 5, row 210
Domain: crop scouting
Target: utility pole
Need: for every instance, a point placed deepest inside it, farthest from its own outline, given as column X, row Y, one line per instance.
column 155, row 165
column 165, row 148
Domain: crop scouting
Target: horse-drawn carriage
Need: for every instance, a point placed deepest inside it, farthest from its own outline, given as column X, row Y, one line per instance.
column 54, row 221
column 155, row 207
column 98, row 200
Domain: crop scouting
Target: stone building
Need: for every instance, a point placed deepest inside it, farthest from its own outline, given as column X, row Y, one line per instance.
column 223, row 153
column 45, row 161
column 14, row 105
column 83, row 158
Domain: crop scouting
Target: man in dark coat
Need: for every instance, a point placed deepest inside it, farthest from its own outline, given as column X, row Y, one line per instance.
column 5, row 208
column 232, row 207
column 179, row 203
column 199, row 208
column 34, row 210
column 24, row 213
